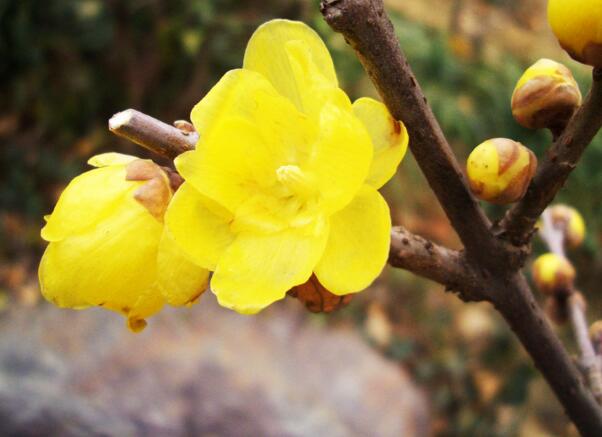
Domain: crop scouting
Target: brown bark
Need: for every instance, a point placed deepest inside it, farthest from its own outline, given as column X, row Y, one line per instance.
column 152, row 134
column 368, row 30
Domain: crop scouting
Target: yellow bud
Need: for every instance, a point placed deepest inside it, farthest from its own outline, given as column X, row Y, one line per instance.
column 553, row 274
column 578, row 26
column 105, row 235
column 546, row 96
column 595, row 334
column 571, row 222
column 499, row 170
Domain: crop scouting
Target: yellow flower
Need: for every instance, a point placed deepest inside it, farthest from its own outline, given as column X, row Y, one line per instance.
column 578, row 27
column 283, row 182
column 109, row 247
column 500, row 170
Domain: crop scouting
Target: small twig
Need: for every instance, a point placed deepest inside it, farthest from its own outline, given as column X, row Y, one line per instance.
column 589, row 361
column 440, row 264
column 152, row 134
column 553, row 237
column 553, row 172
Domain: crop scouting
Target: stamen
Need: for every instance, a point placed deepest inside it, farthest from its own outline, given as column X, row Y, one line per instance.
column 292, row 177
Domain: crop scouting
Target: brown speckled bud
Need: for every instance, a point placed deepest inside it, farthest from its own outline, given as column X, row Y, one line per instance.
column 546, row 96
column 318, row 299
column 500, row 170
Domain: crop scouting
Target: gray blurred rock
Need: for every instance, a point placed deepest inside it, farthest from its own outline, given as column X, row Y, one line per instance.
column 204, row 371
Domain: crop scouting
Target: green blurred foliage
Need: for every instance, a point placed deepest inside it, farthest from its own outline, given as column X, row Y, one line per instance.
column 67, row 66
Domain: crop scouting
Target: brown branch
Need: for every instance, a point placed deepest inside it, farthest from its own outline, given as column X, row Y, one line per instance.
column 152, row 134
column 554, row 237
column 368, row 30
column 530, row 325
column 440, row 264
column 561, row 159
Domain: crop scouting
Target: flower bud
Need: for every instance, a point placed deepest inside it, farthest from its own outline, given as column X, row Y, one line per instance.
column 577, row 24
column 500, row 170
column 595, row 334
column 571, row 222
column 553, row 274
column 108, row 247
column 546, row 96
column 317, row 298
column 556, row 309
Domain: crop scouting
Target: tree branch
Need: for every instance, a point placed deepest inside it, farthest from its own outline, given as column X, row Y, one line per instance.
column 529, row 323
column 561, row 159
column 554, row 237
column 152, row 134
column 368, row 30
column 440, row 264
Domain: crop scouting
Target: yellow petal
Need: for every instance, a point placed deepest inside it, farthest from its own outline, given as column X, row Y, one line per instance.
column 389, row 139
column 111, row 158
column 294, row 59
column 257, row 270
column 180, row 280
column 88, row 199
column 113, row 265
column 200, row 233
column 341, row 158
column 358, row 245
column 148, row 303
column 248, row 95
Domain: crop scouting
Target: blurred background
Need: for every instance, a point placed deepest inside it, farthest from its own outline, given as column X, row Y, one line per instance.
column 404, row 358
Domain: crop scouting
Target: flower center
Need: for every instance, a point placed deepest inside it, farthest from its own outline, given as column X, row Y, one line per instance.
column 293, row 178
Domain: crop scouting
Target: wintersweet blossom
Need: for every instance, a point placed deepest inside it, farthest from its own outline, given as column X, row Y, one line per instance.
column 283, row 182
column 109, row 246
column 578, row 26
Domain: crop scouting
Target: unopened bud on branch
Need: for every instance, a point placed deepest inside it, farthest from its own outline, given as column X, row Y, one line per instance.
column 571, row 222
column 577, row 24
column 546, row 96
column 500, row 170
column 317, row 298
column 595, row 333
column 553, row 274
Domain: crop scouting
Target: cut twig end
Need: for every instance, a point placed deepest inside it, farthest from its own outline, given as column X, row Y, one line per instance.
column 121, row 119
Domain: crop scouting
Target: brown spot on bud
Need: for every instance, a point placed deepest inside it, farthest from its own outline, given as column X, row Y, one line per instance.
column 155, row 194
column 317, row 298
column 508, row 153
column 396, row 126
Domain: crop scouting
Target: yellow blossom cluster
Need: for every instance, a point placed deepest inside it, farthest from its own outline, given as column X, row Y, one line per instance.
column 281, row 187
